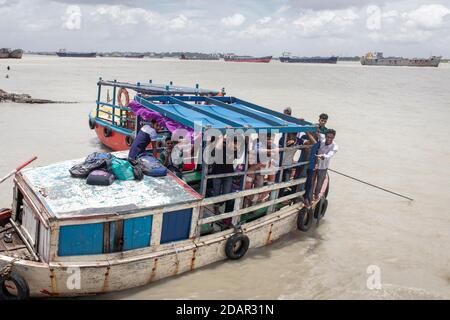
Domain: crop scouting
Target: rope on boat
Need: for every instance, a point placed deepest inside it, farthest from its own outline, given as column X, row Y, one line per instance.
column 6, row 270
column 372, row 185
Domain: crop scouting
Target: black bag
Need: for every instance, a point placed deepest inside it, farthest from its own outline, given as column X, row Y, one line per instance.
column 92, row 162
column 138, row 169
column 100, row 178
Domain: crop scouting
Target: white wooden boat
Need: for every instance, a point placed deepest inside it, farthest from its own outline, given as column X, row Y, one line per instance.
column 67, row 238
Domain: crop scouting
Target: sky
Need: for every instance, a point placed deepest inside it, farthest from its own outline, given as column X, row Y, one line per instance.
column 412, row 28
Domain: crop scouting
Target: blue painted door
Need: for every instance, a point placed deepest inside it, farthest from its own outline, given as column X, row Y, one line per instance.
column 176, row 225
column 83, row 239
column 137, row 232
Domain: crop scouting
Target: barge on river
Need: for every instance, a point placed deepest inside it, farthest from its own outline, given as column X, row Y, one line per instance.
column 377, row 59
column 63, row 237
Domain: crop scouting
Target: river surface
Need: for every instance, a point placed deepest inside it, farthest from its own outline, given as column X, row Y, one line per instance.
column 392, row 130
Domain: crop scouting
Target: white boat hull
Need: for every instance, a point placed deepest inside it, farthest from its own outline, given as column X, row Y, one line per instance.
column 140, row 267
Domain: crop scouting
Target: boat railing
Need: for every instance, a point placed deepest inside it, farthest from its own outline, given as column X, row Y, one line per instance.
column 239, row 196
column 123, row 116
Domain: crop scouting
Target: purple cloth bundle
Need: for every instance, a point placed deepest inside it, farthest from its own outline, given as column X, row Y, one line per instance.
column 171, row 125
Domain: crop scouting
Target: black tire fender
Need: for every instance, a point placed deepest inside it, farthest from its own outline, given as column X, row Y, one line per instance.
column 23, row 291
column 321, row 208
column 91, row 123
column 324, row 208
column 242, row 242
column 129, row 140
column 107, row 131
column 304, row 219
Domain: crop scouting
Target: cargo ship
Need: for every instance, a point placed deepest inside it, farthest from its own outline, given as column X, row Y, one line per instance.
column 134, row 55
column 377, row 59
column 233, row 58
column 64, row 53
column 203, row 57
column 6, row 53
column 286, row 57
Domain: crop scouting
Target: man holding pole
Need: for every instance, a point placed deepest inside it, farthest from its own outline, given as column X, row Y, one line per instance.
column 326, row 150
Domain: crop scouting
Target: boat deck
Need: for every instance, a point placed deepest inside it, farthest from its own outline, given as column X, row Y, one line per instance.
column 67, row 197
column 16, row 248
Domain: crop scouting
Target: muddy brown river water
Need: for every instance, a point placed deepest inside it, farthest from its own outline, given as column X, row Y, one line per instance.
column 392, row 130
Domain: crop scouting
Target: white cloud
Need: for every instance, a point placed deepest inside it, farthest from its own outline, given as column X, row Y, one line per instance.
column 233, row 21
column 179, row 22
column 416, row 26
column 264, row 20
column 125, row 15
column 325, row 22
column 282, row 9
column 427, row 16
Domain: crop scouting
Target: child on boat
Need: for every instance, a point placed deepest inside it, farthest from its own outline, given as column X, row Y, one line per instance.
column 172, row 157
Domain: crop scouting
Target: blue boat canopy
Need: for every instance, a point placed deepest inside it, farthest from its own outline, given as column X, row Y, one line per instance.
column 222, row 113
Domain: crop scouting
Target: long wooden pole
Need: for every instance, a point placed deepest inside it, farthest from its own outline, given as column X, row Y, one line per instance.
column 18, row 169
column 372, row 185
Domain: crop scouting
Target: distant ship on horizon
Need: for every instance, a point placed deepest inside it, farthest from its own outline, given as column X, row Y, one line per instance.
column 202, row 57
column 234, row 58
column 64, row 53
column 6, row 53
column 377, row 59
column 286, row 57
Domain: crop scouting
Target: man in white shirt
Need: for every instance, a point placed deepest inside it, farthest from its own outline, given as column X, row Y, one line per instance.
column 146, row 135
column 326, row 150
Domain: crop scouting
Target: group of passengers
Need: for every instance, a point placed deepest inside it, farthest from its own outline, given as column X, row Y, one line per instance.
column 263, row 163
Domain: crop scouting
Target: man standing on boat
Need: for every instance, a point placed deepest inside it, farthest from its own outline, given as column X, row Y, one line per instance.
column 145, row 135
column 224, row 165
column 327, row 149
column 323, row 118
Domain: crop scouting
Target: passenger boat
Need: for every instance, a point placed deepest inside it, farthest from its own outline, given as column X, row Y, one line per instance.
column 114, row 124
column 63, row 237
column 234, row 58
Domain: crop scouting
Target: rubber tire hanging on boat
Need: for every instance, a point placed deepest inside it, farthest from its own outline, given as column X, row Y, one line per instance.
column 322, row 206
column 304, row 219
column 129, row 140
column 107, row 131
column 23, row 291
column 230, row 249
column 91, row 123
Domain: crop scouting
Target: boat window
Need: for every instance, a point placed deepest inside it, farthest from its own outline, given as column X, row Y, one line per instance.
column 84, row 239
column 176, row 225
column 108, row 237
column 137, row 233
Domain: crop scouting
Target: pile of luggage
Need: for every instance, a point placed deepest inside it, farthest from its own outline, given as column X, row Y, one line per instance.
column 102, row 168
